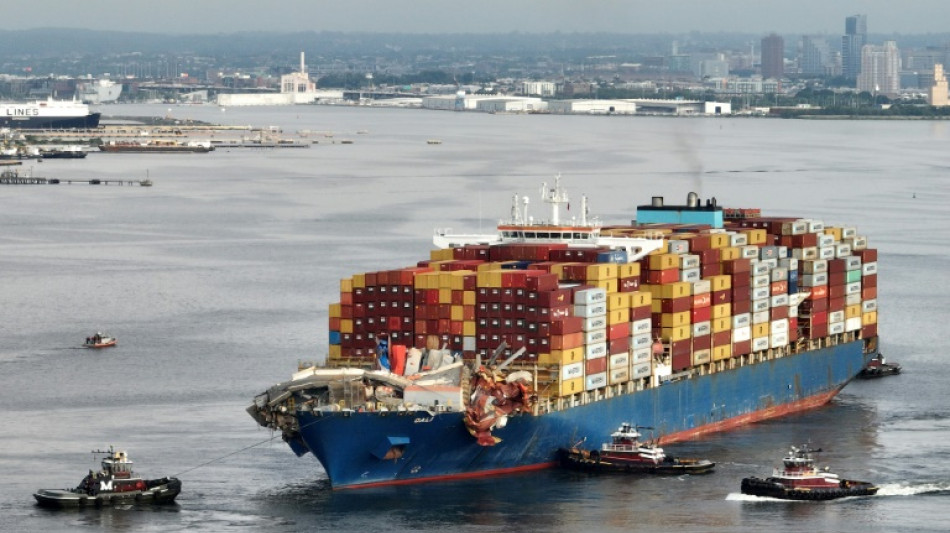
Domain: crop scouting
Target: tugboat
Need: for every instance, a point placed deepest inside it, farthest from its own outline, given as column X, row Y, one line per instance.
column 878, row 368
column 799, row 479
column 100, row 340
column 626, row 453
column 115, row 484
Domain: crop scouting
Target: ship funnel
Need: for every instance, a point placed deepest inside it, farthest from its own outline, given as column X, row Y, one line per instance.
column 657, row 201
column 692, row 199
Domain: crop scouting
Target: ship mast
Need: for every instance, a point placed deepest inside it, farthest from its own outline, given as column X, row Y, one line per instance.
column 554, row 196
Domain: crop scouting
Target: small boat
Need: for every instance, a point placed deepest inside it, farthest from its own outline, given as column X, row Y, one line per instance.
column 115, row 484
column 799, row 479
column 878, row 368
column 626, row 453
column 100, row 340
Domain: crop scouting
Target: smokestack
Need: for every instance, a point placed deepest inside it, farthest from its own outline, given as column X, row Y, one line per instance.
column 302, row 67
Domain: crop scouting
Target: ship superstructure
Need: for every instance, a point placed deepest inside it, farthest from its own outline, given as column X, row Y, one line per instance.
column 48, row 114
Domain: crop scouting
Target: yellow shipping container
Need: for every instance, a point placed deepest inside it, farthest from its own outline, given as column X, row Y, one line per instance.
column 834, row 232
column 568, row 387
column 676, row 333
column 602, row 271
column 721, row 282
column 675, row 320
column 628, row 270
column 618, row 300
column 761, row 329
column 458, row 279
column 609, row 285
column 640, row 298
column 336, row 310
column 457, row 313
column 755, row 236
column 489, row 278
column 346, row 325
column 719, row 240
column 336, row 351
column 869, row 318
column 468, row 298
column 722, row 324
column 426, row 280
column 676, row 290
column 618, row 316
column 665, row 261
column 562, row 357
column 655, row 291
column 346, row 285
column 469, row 328
column 445, row 296
column 359, row 281
column 663, row 249
column 722, row 311
column 442, row 254
column 729, row 253
column 852, row 311
column 722, row 352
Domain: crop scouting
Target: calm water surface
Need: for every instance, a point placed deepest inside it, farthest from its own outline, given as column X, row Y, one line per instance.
column 216, row 281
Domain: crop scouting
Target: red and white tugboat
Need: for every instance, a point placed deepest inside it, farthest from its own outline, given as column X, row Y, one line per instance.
column 626, row 453
column 799, row 479
column 115, row 484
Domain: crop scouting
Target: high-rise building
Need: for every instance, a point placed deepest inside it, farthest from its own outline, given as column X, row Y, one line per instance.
column 773, row 56
column 937, row 94
column 880, row 69
column 854, row 39
column 815, row 56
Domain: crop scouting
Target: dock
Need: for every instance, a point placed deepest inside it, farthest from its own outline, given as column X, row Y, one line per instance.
column 14, row 178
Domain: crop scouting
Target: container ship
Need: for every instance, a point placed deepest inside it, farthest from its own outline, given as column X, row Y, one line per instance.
column 498, row 350
column 48, row 114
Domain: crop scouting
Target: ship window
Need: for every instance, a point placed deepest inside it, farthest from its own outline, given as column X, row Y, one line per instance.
column 578, row 235
column 530, row 235
column 544, row 236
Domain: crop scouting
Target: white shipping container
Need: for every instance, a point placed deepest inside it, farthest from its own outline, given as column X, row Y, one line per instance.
column 852, row 299
column 702, row 286
column 590, row 296
column 741, row 320
column 806, row 253
column 596, row 381
column 749, row 252
column 778, row 340
column 779, row 274
column 761, row 293
column 619, row 359
column 852, row 324
column 842, row 250
column 701, row 357
column 742, row 334
column 642, row 370
column 868, row 269
column 789, row 263
column 816, row 226
column 468, row 344
column 572, row 370
column 816, row 266
column 760, row 317
column 814, row 280
column 594, row 323
column 852, row 262
column 690, row 275
column 759, row 306
column 761, row 280
column 779, row 300
column 689, row 261
column 826, row 252
column 639, row 327
column 792, row 311
column 826, row 240
column 853, row 288
column 594, row 351
column 618, row 375
column 858, row 243
column 771, row 262
column 738, row 239
column 702, row 328
column 587, row 311
column 835, row 328
column 869, row 305
column 778, row 326
column 760, row 343
column 848, row 233
column 836, row 316
column 641, row 341
column 642, row 356
column 678, row 246
column 760, row 267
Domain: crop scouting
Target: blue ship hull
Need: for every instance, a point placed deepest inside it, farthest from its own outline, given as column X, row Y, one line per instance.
column 361, row 449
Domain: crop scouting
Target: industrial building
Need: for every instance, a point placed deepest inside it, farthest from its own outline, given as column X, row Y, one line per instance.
column 592, row 107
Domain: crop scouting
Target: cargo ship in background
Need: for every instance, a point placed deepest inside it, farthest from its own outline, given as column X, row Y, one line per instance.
column 498, row 350
column 48, row 114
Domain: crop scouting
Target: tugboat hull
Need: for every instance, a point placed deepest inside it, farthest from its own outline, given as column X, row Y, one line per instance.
column 772, row 488
column 159, row 491
column 593, row 461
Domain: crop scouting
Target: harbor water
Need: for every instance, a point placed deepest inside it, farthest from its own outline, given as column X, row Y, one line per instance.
column 216, row 282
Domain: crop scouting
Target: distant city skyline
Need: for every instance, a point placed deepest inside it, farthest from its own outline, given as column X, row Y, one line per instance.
column 485, row 16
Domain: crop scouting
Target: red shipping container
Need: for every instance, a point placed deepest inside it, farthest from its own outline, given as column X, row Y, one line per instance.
column 818, row 331
column 869, row 293
column 869, row 331
column 741, row 306
column 542, row 281
column 700, row 243
column 804, row 241
column 778, row 313
column 619, row 345
column 837, row 265
column 630, row 284
column 836, row 304
column 836, row 278
column 722, row 297
column 869, row 281
column 736, row 265
column 741, row 293
column 595, row 366
column 660, row 277
column 553, row 298
column 702, row 342
column 713, row 269
column 567, row 325
column 676, row 305
column 701, row 314
column 818, row 292
column 617, row 331
column 742, row 348
column 835, row 291
column 702, row 300
column 741, row 279
column 681, row 362
column 683, row 347
column 722, row 338
column 567, row 342
column 868, row 255
column 639, row 313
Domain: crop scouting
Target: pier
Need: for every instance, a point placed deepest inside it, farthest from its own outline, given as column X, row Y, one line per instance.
column 14, row 178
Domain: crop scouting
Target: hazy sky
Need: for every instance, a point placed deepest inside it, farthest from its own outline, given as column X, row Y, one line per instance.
column 481, row 16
